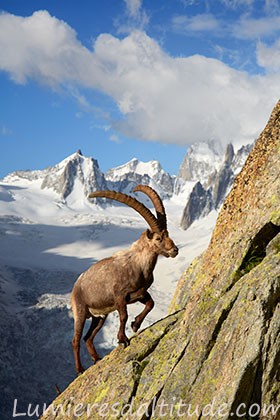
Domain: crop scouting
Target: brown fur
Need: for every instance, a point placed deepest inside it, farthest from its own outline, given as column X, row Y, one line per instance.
column 114, row 282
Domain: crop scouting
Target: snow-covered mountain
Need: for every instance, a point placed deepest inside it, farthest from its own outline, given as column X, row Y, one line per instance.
column 74, row 173
column 125, row 177
column 74, row 176
column 204, row 178
column 213, row 185
column 200, row 161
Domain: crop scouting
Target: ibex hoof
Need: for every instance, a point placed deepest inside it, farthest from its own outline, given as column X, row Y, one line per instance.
column 134, row 326
column 80, row 372
column 124, row 344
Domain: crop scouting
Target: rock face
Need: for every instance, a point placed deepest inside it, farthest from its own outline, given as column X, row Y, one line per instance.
column 199, row 204
column 216, row 355
column 224, row 178
column 201, row 160
column 75, row 169
column 210, row 194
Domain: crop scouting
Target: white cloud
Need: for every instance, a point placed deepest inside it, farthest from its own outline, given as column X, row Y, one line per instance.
column 115, row 139
column 234, row 4
column 172, row 100
column 133, row 7
column 252, row 28
column 272, row 7
column 40, row 47
column 245, row 28
column 197, row 23
column 231, row 4
column 269, row 57
column 135, row 17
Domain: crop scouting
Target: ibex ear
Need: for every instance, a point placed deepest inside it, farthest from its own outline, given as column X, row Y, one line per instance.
column 149, row 234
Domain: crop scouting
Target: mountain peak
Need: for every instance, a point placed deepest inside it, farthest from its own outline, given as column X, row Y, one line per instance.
column 201, row 160
column 137, row 166
column 74, row 172
column 125, row 177
column 229, row 154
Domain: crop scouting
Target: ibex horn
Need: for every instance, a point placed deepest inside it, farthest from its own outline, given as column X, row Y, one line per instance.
column 133, row 203
column 157, row 202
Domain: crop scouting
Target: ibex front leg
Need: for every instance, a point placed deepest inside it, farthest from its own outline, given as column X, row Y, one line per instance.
column 149, row 304
column 122, row 310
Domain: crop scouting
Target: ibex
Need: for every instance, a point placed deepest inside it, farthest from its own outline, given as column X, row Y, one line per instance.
column 113, row 283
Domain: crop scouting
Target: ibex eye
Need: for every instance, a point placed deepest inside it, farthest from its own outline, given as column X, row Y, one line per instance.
column 158, row 239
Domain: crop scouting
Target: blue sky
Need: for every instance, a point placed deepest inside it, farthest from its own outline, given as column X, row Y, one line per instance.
column 125, row 78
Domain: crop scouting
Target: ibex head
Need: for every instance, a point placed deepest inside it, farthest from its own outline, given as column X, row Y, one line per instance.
column 162, row 244
column 158, row 235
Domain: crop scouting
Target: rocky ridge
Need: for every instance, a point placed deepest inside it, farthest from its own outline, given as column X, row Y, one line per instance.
column 216, row 355
column 210, row 194
column 125, row 177
column 203, row 181
column 200, row 161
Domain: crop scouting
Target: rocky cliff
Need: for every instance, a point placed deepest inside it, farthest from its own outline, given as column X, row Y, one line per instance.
column 200, row 161
column 199, row 204
column 75, row 169
column 216, row 355
column 210, row 194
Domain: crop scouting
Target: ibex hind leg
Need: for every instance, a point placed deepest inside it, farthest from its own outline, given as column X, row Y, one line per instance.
column 79, row 322
column 96, row 325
